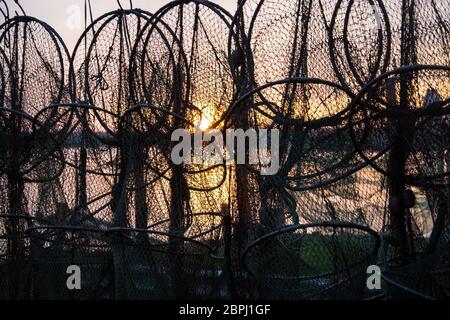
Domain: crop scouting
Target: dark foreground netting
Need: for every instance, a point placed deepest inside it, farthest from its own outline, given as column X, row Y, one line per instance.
column 325, row 260
column 122, row 263
column 358, row 91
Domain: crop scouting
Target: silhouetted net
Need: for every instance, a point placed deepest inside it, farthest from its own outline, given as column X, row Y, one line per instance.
column 359, row 94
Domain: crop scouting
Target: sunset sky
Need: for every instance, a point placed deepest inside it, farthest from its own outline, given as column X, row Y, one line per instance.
column 57, row 13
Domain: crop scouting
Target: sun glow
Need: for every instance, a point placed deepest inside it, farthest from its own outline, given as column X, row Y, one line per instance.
column 205, row 123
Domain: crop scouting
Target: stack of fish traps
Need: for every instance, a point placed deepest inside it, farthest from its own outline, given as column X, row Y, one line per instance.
column 358, row 89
